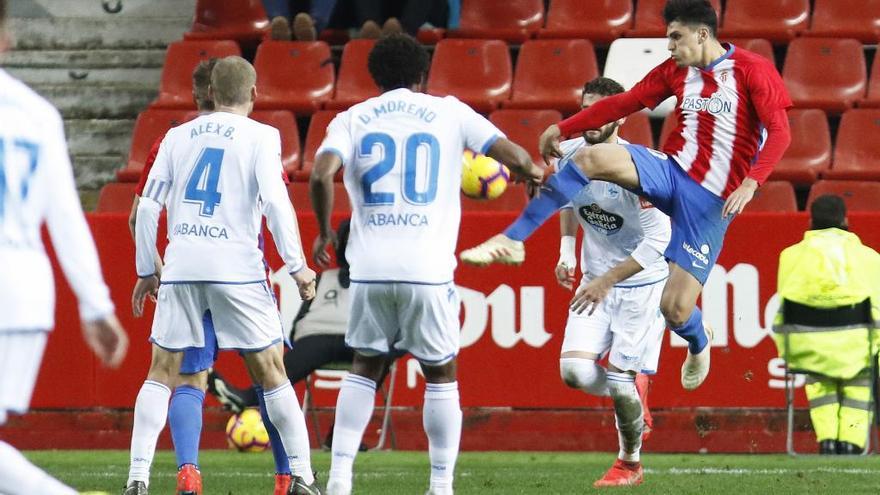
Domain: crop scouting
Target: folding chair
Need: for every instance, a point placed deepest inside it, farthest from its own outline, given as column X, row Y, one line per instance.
column 330, row 377
column 799, row 318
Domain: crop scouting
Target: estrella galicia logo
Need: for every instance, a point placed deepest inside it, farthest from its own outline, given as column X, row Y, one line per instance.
column 604, row 221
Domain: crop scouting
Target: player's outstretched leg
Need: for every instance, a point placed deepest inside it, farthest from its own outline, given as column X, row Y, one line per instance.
column 508, row 247
column 627, row 469
column 679, row 306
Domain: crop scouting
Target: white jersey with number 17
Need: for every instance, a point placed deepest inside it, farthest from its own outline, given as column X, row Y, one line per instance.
column 402, row 157
column 217, row 175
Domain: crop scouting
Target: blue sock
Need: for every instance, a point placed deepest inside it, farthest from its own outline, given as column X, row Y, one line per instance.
column 693, row 332
column 555, row 193
column 185, row 420
column 282, row 464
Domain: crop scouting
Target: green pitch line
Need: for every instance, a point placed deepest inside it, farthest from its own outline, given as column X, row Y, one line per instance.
column 502, row 473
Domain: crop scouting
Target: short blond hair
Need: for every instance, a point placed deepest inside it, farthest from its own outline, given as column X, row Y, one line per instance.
column 232, row 80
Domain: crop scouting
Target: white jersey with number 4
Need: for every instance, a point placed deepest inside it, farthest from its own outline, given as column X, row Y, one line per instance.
column 617, row 224
column 402, row 157
column 217, row 175
column 36, row 187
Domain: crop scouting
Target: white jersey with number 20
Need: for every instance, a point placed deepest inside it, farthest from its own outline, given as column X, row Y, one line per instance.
column 402, row 157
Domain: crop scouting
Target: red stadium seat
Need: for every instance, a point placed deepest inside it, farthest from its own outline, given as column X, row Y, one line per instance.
column 571, row 62
column 286, row 125
column 150, row 125
column 758, row 45
column 872, row 99
column 649, row 18
column 857, row 19
column 513, row 199
column 601, row 21
column 669, row 124
column 293, row 75
column 355, row 83
column 523, row 127
column 299, row 196
column 116, row 197
column 857, row 149
column 809, row 153
column 175, row 89
column 858, row 196
column 778, row 21
column 430, row 35
column 774, row 195
column 637, row 130
column 314, row 136
column 241, row 20
column 510, row 20
column 477, row 72
column 825, row 73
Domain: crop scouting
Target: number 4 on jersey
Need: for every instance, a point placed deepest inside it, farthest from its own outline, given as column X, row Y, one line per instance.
column 202, row 184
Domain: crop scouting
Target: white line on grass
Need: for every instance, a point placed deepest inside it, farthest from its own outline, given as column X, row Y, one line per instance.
column 775, row 471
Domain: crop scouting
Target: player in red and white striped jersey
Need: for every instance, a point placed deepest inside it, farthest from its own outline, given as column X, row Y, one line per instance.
column 732, row 129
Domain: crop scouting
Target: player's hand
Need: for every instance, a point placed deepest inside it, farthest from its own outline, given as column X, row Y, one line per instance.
column 147, row 286
column 565, row 275
column 305, row 280
column 107, row 340
column 548, row 143
column 739, row 198
column 320, row 251
column 590, row 295
column 159, row 266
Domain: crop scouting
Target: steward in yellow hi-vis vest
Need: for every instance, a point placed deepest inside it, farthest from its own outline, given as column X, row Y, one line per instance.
column 830, row 289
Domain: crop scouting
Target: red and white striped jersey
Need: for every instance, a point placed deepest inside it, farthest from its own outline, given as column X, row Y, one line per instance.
column 718, row 132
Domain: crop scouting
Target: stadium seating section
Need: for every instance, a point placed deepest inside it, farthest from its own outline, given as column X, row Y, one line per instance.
column 116, row 197
column 858, row 195
column 523, row 63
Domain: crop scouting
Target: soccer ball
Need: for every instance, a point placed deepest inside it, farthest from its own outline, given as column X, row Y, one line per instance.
column 482, row 177
column 246, row 432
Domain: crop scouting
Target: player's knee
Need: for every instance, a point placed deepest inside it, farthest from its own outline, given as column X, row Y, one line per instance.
column 586, row 160
column 198, row 380
column 675, row 313
column 581, row 374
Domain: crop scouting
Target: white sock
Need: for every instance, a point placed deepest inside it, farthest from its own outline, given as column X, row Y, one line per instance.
column 584, row 374
column 150, row 413
column 441, row 418
column 19, row 477
column 284, row 411
column 354, row 408
column 628, row 414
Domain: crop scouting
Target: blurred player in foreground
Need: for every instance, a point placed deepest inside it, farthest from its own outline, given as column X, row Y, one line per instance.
column 37, row 186
column 217, row 175
column 732, row 129
column 616, row 308
column 402, row 156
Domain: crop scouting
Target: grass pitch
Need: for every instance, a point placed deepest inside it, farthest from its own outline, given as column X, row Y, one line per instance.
column 390, row 473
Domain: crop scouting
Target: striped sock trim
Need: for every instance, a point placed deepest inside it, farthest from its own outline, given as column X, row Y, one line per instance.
column 612, row 376
column 269, row 394
column 359, row 382
column 439, row 391
column 161, row 386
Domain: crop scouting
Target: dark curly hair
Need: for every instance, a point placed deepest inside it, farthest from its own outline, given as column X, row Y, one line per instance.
column 603, row 86
column 691, row 12
column 397, row 61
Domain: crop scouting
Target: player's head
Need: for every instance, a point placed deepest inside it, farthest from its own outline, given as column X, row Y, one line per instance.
column 398, row 61
column 594, row 91
column 233, row 83
column 202, row 85
column 690, row 26
column 828, row 211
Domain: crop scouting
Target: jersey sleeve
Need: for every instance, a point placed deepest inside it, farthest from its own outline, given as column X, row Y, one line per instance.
column 767, row 90
column 158, row 185
column 655, row 86
column 148, row 165
column 338, row 139
column 276, row 205
column 568, row 149
column 657, row 230
column 478, row 133
column 69, row 231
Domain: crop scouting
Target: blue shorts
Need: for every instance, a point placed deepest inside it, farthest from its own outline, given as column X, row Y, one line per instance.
column 196, row 359
column 697, row 227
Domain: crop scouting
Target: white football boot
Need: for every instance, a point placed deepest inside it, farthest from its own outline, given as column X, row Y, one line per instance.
column 696, row 366
column 498, row 249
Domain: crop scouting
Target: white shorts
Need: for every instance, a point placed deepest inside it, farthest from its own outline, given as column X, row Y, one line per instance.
column 20, row 356
column 627, row 324
column 419, row 319
column 245, row 316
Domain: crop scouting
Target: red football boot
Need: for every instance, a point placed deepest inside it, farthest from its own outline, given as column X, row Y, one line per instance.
column 282, row 484
column 189, row 480
column 643, row 383
column 622, row 473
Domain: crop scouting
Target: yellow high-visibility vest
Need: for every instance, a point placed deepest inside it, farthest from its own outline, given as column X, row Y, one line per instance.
column 830, row 268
